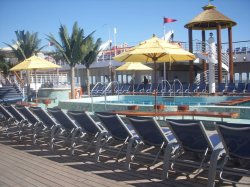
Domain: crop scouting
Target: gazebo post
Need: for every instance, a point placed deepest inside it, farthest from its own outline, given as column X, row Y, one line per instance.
column 191, row 62
column 204, row 64
column 211, row 19
column 231, row 65
column 218, row 27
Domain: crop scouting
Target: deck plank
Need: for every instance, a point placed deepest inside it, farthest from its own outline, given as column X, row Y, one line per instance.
column 26, row 165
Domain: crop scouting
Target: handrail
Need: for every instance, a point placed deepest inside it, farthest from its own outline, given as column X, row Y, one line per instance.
column 105, row 91
column 167, row 83
column 181, row 86
column 91, row 93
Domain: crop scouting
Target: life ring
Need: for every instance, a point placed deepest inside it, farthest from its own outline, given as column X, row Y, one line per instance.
column 78, row 93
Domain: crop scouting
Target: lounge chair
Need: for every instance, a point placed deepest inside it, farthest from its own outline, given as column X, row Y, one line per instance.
column 139, row 88
column 247, row 91
column 236, row 158
column 147, row 87
column 193, row 140
column 167, row 90
column 125, row 89
column 231, row 88
column 92, row 130
column 150, row 135
column 202, row 88
column 192, row 88
column 22, row 122
column 7, row 121
column 241, row 87
column 68, row 131
column 35, row 124
column 185, row 87
column 49, row 127
column 98, row 90
column 153, row 88
column 118, row 133
column 221, row 88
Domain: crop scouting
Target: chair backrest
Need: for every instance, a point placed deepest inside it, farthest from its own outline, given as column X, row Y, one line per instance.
column 248, row 88
column 191, row 135
column 27, row 114
column 140, row 87
column 125, row 88
column 114, row 125
column 193, row 87
column 160, row 88
column 147, row 88
column 202, row 87
column 241, row 87
column 230, row 87
column 62, row 118
column 17, row 115
column 85, row 121
column 185, row 86
column 149, row 131
column 154, row 87
column 235, row 139
column 43, row 116
column 5, row 112
column 221, row 87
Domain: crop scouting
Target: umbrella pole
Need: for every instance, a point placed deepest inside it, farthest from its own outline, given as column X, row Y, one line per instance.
column 133, row 88
column 155, row 83
column 35, row 86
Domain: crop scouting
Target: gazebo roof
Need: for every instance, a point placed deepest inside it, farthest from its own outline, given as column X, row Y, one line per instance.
column 209, row 18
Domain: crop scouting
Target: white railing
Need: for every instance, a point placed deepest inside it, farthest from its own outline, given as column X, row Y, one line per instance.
column 108, row 87
column 174, row 87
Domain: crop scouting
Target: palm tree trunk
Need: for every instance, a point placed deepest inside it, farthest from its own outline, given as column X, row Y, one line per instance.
column 88, row 83
column 72, row 68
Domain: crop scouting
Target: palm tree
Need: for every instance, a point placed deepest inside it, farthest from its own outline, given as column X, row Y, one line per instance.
column 90, row 58
column 25, row 45
column 73, row 48
column 5, row 66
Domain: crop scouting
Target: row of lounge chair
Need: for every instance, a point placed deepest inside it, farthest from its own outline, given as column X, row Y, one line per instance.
column 241, row 88
column 161, row 88
column 170, row 89
column 180, row 143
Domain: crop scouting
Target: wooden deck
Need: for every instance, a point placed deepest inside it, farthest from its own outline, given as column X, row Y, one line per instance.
column 179, row 113
column 24, row 165
column 234, row 101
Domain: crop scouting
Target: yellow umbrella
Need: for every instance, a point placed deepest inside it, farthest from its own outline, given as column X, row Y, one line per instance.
column 133, row 66
column 155, row 50
column 34, row 63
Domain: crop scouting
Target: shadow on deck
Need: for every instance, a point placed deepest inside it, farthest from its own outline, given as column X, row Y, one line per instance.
column 22, row 164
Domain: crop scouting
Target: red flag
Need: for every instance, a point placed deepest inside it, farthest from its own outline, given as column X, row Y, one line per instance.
column 168, row 20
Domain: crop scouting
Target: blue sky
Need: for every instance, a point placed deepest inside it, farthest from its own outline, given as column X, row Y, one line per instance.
column 135, row 20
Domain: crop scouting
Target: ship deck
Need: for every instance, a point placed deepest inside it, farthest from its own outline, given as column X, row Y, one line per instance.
column 24, row 165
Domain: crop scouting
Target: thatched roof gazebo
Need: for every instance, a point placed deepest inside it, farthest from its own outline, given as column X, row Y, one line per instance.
column 211, row 19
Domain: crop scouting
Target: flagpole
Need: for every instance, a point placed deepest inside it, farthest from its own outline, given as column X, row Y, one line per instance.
column 164, row 64
column 115, row 39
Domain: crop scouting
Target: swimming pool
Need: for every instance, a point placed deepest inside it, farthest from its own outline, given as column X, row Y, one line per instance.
column 169, row 101
column 145, row 103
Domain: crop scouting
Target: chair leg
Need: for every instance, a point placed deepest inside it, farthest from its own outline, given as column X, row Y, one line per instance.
column 170, row 149
column 98, row 146
column 129, row 154
column 213, row 166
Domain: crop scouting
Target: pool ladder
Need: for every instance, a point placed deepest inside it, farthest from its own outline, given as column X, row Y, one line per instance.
column 112, row 89
column 181, row 86
column 93, row 89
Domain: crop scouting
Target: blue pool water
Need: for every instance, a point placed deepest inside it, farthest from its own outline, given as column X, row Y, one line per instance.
column 170, row 101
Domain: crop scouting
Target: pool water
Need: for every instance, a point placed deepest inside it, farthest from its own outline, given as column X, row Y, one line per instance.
column 170, row 101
